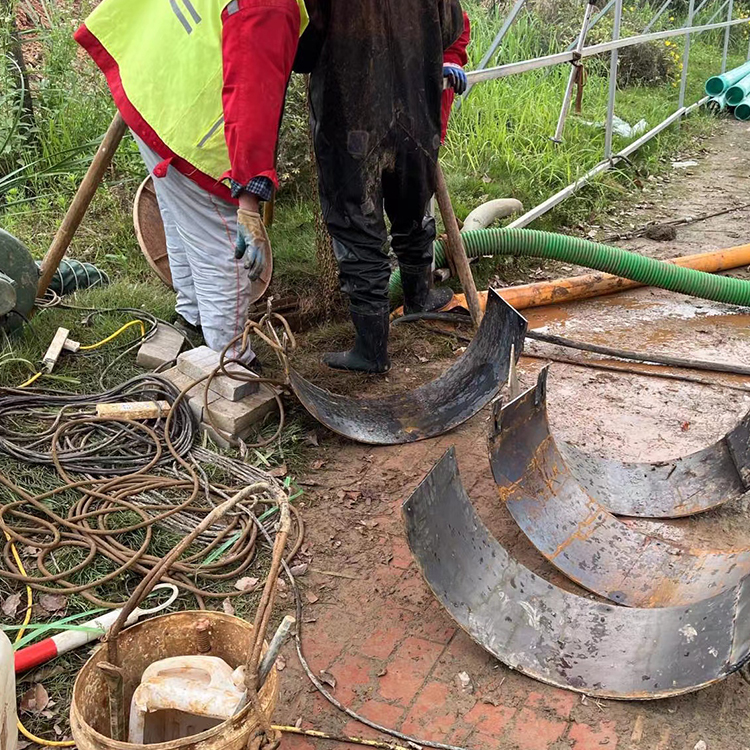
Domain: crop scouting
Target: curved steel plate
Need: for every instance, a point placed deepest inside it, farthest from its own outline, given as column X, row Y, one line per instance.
column 668, row 489
column 557, row 637
column 436, row 407
column 567, row 524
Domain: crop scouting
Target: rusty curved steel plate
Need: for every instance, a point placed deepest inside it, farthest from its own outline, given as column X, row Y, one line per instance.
column 565, row 521
column 436, row 407
column 682, row 487
column 557, row 637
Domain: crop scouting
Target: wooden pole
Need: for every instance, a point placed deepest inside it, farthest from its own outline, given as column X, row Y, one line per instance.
column 456, row 251
column 81, row 202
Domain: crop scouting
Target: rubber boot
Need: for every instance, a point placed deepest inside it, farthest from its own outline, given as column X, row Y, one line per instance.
column 419, row 294
column 370, row 350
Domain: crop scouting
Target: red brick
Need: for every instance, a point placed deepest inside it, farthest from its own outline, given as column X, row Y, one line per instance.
column 296, row 742
column 586, row 737
column 402, row 557
column 353, row 675
column 381, row 713
column 384, row 639
column 558, row 702
column 412, row 593
column 485, row 742
column 430, row 718
column 434, row 624
column 408, row 668
column 532, row 731
column 492, row 720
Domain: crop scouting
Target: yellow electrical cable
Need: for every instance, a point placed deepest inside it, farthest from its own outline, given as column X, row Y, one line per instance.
column 115, row 335
column 27, row 619
column 31, row 380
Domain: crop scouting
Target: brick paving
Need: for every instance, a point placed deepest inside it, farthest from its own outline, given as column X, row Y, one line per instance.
column 396, row 655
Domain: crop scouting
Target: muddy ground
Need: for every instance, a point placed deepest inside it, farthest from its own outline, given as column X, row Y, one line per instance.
column 371, row 621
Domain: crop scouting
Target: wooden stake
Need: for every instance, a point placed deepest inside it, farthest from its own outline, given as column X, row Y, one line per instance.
column 81, row 202
column 456, row 250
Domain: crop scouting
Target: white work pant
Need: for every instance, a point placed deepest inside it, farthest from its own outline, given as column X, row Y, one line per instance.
column 213, row 289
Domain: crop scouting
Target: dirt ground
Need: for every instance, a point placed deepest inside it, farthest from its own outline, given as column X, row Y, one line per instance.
column 370, row 620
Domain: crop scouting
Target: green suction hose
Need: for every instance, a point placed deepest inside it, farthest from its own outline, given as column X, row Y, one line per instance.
column 529, row 243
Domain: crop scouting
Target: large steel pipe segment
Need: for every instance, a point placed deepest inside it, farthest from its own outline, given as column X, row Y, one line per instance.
column 557, row 637
column 436, row 407
column 565, row 521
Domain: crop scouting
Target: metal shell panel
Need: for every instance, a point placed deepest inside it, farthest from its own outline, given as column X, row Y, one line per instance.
column 557, row 637
column 578, row 535
column 668, row 489
column 436, row 407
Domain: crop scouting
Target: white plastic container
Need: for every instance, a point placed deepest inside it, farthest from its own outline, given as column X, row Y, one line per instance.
column 8, row 719
column 183, row 696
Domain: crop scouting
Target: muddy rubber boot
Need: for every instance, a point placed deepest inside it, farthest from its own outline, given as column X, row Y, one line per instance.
column 370, row 350
column 419, row 294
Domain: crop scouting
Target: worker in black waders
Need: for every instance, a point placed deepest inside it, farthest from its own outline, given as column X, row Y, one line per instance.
column 376, row 95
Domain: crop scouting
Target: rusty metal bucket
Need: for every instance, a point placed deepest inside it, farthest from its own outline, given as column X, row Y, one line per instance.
column 432, row 409
column 557, row 637
column 564, row 519
column 153, row 640
column 149, row 229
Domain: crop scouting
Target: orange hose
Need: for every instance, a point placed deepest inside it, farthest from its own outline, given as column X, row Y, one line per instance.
column 599, row 284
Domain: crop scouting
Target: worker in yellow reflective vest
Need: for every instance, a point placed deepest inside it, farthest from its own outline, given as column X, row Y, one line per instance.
column 201, row 84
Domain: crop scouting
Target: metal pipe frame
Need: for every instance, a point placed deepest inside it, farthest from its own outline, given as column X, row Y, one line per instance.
column 658, row 15
column 730, row 13
column 603, row 166
column 595, row 20
column 515, row 10
column 612, row 82
column 557, row 137
column 525, row 66
column 686, row 57
column 575, row 53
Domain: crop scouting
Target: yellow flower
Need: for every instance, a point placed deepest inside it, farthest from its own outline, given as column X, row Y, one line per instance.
column 671, row 18
column 667, row 43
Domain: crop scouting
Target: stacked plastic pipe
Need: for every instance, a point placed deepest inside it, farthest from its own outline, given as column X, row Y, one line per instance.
column 731, row 90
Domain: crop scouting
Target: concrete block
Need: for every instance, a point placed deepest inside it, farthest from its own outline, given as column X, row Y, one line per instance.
column 237, row 418
column 202, row 361
column 195, row 396
column 219, row 438
column 164, row 346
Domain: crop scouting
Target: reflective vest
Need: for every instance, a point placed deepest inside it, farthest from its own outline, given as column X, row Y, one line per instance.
column 169, row 55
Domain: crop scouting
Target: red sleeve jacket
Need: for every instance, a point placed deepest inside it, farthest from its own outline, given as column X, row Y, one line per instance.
column 260, row 39
column 457, row 55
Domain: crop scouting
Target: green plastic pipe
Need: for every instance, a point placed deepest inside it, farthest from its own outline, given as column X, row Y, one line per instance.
column 529, row 243
column 737, row 92
column 717, row 85
column 742, row 110
column 717, row 103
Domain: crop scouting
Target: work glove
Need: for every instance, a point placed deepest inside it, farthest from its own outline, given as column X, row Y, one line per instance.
column 456, row 77
column 252, row 242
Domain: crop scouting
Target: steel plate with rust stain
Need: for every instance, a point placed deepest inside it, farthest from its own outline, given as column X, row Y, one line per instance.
column 567, row 524
column 555, row 636
column 668, row 489
column 436, row 407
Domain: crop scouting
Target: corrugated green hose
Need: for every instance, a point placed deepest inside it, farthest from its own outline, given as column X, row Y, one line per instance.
column 529, row 243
